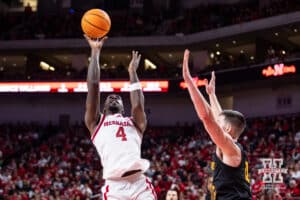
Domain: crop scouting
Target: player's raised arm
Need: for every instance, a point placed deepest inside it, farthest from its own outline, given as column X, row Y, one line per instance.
column 202, row 107
column 92, row 111
column 219, row 137
column 211, row 91
column 136, row 94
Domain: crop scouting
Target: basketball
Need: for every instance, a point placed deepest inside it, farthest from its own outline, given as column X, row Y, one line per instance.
column 95, row 23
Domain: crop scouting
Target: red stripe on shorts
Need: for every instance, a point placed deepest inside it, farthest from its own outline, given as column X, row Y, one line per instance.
column 105, row 193
column 151, row 188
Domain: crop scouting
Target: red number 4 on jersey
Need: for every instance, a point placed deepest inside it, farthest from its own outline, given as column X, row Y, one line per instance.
column 121, row 133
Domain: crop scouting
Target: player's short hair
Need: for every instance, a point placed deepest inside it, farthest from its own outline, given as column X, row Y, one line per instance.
column 236, row 119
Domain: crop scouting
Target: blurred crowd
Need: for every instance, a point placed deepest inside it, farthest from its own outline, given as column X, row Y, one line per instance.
column 45, row 162
column 152, row 21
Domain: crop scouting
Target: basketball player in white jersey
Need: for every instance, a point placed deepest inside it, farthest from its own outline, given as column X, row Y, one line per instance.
column 117, row 138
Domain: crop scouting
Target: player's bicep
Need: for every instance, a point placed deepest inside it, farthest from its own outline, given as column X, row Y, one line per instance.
column 223, row 140
column 139, row 118
column 91, row 119
column 92, row 110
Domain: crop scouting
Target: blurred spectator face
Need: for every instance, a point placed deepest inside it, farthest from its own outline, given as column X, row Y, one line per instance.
column 172, row 195
column 292, row 183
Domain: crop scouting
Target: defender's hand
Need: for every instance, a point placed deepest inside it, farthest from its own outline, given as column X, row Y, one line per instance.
column 135, row 61
column 185, row 66
column 211, row 86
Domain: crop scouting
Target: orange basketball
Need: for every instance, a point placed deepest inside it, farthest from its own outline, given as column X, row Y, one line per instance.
column 95, row 23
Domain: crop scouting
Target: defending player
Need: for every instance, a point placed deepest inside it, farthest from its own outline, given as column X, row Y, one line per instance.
column 230, row 166
column 118, row 138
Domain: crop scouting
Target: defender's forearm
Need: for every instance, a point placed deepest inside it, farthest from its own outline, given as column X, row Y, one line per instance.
column 215, row 105
column 202, row 107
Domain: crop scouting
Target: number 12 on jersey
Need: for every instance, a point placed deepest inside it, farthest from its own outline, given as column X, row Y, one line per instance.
column 121, row 133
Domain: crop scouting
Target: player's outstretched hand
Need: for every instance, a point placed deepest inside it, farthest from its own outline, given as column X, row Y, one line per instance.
column 95, row 44
column 211, row 86
column 185, row 66
column 135, row 61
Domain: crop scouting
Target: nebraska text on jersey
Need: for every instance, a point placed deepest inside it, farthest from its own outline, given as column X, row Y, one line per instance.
column 119, row 123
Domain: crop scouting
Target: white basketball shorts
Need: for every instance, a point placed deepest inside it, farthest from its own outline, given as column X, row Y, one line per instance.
column 139, row 188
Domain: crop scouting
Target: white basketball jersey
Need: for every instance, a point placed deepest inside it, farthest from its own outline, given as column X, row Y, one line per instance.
column 118, row 142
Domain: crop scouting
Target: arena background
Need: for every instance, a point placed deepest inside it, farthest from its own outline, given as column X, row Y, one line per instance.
column 253, row 46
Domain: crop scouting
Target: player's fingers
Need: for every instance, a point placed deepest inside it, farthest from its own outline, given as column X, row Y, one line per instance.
column 86, row 37
column 103, row 39
column 139, row 58
column 186, row 57
column 184, row 62
column 205, row 82
column 213, row 77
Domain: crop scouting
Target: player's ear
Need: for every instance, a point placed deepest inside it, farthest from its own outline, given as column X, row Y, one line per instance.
column 228, row 127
